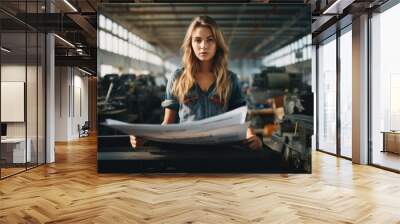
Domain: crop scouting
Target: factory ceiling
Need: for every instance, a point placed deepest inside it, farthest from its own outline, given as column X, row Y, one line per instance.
column 251, row 30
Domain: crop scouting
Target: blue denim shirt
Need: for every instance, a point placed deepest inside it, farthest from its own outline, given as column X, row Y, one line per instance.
column 198, row 104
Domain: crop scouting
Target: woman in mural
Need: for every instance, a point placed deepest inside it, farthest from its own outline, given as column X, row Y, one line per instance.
column 204, row 87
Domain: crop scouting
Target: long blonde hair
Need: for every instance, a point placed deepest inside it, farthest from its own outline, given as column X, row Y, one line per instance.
column 191, row 63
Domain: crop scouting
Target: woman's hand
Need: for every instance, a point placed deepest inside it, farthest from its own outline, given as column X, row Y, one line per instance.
column 136, row 141
column 169, row 118
column 252, row 140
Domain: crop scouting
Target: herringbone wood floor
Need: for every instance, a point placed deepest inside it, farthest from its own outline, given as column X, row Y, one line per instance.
column 71, row 191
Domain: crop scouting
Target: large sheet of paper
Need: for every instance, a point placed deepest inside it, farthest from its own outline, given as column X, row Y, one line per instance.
column 223, row 128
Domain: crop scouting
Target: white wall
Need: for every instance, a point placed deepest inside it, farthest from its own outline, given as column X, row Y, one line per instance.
column 80, row 94
column 62, row 81
column 71, row 94
column 15, row 73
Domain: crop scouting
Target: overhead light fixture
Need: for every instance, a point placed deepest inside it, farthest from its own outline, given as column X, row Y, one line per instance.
column 70, row 5
column 64, row 40
column 337, row 7
column 5, row 50
column 86, row 72
column 80, row 51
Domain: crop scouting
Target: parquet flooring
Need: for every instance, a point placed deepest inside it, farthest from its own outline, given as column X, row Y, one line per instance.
column 71, row 191
column 10, row 171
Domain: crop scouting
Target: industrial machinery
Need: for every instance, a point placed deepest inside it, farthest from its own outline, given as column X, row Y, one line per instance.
column 293, row 140
column 130, row 98
column 293, row 114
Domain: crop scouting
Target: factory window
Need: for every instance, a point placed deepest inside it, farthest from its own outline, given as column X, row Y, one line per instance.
column 385, row 88
column 102, row 40
column 292, row 53
column 141, row 55
column 141, row 43
column 136, row 52
column 109, row 24
column 134, row 39
column 129, row 46
column 109, row 42
column 133, row 51
column 120, row 46
column 121, row 32
column 115, row 38
column 102, row 22
column 130, row 37
column 346, row 93
column 115, row 47
column 327, row 95
column 115, row 28
column 125, row 48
